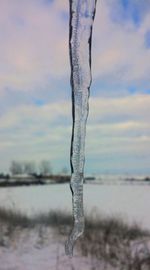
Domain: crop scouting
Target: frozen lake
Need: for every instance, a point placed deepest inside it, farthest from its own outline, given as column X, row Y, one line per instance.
column 128, row 201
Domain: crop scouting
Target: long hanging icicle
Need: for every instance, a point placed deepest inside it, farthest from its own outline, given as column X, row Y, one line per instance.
column 82, row 14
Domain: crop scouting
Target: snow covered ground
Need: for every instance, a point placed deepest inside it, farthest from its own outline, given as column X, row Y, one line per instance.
column 129, row 201
column 32, row 251
column 44, row 250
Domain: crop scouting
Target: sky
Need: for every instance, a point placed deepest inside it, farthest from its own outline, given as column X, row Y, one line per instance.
column 35, row 92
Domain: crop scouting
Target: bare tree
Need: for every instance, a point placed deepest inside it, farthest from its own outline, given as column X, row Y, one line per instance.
column 29, row 167
column 16, row 167
column 45, row 167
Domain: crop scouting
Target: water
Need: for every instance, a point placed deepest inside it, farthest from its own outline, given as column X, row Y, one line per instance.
column 82, row 14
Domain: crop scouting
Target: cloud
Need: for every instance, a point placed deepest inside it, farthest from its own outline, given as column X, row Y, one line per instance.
column 122, row 109
column 34, row 44
column 118, row 134
column 32, row 115
column 45, row 131
column 119, row 52
column 124, row 11
column 34, row 84
column 36, row 133
column 147, row 39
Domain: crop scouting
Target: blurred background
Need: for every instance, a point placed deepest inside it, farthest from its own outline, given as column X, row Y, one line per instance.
column 35, row 136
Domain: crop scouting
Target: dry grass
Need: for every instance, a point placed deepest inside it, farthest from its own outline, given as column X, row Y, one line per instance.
column 111, row 240
column 116, row 243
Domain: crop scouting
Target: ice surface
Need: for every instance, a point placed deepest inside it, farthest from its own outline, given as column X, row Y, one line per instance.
column 81, row 21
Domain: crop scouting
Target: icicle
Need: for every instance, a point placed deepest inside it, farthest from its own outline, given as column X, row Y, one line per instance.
column 81, row 21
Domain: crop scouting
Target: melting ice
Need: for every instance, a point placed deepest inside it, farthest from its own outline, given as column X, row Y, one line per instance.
column 82, row 14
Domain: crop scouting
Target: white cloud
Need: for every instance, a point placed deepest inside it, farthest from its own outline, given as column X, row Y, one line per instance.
column 34, row 52
column 34, row 44
column 128, row 108
column 33, row 115
column 119, row 53
column 45, row 131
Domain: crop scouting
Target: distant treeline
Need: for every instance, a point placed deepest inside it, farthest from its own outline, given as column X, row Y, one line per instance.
column 39, row 169
column 30, row 167
column 34, row 179
column 31, row 173
column 4, row 176
column 145, row 179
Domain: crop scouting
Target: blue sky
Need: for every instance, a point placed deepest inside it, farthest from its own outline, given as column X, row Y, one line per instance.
column 35, row 92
